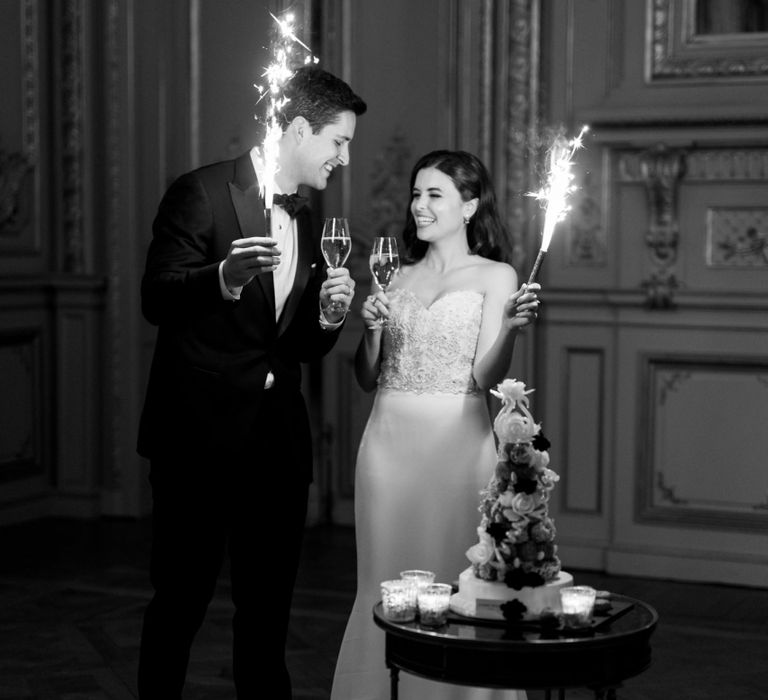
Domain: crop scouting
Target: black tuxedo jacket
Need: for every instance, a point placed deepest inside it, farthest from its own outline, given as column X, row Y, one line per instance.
column 206, row 386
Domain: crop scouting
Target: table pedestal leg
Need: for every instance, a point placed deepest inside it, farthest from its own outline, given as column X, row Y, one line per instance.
column 393, row 678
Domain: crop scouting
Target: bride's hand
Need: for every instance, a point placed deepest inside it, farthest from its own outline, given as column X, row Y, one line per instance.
column 375, row 308
column 522, row 307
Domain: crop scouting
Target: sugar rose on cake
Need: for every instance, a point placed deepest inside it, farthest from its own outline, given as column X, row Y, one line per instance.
column 514, row 572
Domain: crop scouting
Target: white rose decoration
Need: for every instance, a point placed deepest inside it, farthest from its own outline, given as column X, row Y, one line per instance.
column 482, row 552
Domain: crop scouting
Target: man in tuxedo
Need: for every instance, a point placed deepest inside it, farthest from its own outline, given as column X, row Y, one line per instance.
column 224, row 424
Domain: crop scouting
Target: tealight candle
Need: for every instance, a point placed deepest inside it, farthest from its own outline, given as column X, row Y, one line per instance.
column 577, row 603
column 433, row 602
column 418, row 577
column 398, row 598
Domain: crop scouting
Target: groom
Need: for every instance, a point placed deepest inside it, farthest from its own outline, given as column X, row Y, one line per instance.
column 224, row 424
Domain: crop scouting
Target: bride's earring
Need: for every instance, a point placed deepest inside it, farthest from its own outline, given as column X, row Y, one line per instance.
column 466, row 220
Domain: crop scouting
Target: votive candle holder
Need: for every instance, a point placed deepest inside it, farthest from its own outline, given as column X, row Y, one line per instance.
column 398, row 599
column 418, row 577
column 577, row 603
column 433, row 602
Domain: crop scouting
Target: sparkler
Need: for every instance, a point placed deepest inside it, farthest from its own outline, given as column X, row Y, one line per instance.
column 557, row 190
column 277, row 74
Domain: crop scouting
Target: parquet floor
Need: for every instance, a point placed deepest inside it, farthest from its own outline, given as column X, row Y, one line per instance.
column 72, row 595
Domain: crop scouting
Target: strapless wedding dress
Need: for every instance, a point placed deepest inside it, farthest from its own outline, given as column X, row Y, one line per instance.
column 426, row 452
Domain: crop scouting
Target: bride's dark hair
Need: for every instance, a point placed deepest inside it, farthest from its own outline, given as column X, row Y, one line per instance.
column 486, row 235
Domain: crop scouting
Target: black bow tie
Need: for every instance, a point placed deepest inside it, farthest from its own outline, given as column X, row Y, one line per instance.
column 292, row 203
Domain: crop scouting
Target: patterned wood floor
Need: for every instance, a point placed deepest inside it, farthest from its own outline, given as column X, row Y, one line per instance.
column 72, row 595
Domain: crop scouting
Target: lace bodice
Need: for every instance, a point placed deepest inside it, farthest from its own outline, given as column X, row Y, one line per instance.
column 431, row 349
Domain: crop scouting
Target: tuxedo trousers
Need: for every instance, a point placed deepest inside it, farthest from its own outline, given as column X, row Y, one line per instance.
column 206, row 509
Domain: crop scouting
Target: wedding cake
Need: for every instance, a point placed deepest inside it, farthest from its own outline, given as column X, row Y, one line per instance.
column 515, row 573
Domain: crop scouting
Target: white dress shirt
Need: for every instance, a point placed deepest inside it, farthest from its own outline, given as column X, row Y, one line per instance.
column 284, row 231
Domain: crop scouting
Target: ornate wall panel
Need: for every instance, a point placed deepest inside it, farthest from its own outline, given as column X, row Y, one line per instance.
column 582, row 438
column 23, row 422
column 704, row 442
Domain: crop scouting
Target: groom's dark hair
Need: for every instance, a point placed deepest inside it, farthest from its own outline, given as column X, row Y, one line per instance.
column 319, row 97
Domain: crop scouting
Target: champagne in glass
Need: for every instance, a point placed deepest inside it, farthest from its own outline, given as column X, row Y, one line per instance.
column 384, row 262
column 335, row 244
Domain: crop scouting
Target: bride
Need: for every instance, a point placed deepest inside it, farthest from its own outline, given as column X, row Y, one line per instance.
column 450, row 320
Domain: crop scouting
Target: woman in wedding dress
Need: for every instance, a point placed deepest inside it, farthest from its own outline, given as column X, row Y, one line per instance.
column 451, row 317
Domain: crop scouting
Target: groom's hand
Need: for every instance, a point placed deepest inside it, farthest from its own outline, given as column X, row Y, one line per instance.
column 248, row 257
column 338, row 288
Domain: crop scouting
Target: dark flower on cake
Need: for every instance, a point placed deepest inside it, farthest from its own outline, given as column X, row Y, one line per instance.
column 519, row 579
column 502, row 471
column 540, row 442
column 525, row 485
column 513, row 610
column 498, row 531
column 550, row 569
column 543, row 531
column 527, row 551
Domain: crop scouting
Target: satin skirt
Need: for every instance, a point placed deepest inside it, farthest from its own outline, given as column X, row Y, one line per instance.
column 421, row 465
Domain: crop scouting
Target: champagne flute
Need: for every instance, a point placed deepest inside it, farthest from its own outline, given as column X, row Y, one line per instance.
column 384, row 262
column 335, row 244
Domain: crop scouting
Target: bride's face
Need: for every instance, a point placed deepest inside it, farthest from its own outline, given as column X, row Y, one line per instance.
column 436, row 205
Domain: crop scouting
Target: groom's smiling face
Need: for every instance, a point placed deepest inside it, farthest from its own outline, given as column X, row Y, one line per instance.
column 320, row 153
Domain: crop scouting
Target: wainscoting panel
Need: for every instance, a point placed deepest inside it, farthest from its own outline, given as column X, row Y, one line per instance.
column 704, row 442
column 574, row 410
column 21, row 376
column 26, row 395
column 691, row 477
column 79, row 400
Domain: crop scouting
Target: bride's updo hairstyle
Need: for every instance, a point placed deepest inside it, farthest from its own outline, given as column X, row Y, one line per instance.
column 485, row 232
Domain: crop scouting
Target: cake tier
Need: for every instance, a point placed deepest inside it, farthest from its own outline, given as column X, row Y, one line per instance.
column 479, row 598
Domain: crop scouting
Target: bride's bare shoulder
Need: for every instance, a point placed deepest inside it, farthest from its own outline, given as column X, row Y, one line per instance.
column 498, row 270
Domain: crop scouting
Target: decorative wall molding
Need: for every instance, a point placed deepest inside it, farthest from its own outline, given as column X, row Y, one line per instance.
column 661, row 169
column 737, row 237
column 585, row 229
column 582, row 431
column 508, row 112
column 699, row 460
column 13, row 214
column 19, row 172
column 30, row 81
column 391, row 172
column 727, row 164
column 675, row 52
column 72, row 135
column 115, row 108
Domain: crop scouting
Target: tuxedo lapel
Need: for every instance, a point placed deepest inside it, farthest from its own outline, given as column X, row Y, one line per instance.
column 249, row 209
column 304, row 248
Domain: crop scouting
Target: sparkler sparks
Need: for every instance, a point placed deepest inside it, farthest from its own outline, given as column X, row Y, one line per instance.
column 277, row 74
column 558, row 189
